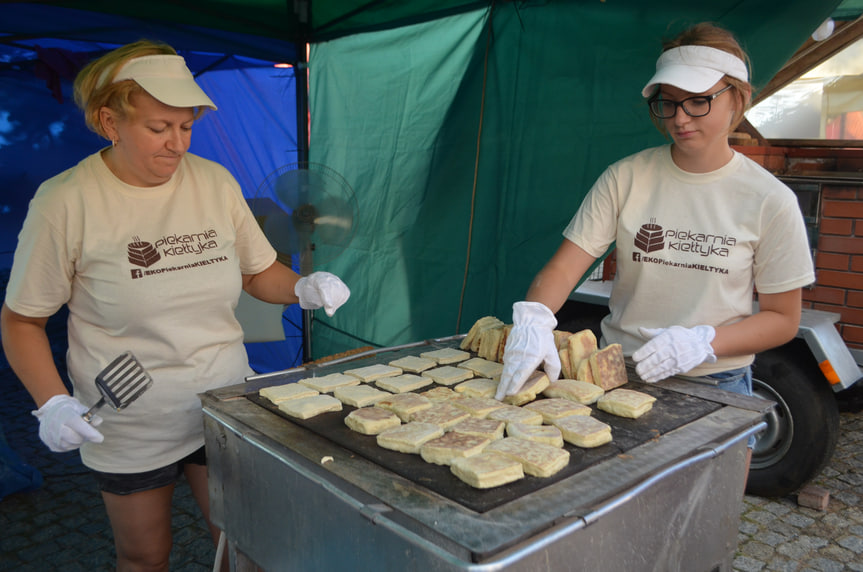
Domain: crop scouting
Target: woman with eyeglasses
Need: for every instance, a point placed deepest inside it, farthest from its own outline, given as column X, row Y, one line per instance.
column 697, row 227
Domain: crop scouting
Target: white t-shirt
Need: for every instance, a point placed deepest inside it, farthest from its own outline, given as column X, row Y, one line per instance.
column 691, row 246
column 154, row 270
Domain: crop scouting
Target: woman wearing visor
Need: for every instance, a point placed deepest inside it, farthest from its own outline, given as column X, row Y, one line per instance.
column 697, row 226
column 148, row 246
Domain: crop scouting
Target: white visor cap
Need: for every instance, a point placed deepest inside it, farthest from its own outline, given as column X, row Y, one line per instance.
column 694, row 69
column 167, row 79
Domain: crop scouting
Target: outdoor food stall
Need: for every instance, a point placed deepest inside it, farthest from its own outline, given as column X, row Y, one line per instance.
column 304, row 494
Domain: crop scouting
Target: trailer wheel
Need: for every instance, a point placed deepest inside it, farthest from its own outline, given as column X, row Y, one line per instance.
column 802, row 429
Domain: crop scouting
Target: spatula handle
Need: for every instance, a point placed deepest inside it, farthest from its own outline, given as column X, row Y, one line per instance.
column 89, row 415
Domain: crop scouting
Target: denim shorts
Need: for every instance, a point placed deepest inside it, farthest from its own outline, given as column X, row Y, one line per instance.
column 735, row 381
column 128, row 483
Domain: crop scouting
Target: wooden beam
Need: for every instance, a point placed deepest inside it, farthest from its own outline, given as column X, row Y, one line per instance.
column 811, row 54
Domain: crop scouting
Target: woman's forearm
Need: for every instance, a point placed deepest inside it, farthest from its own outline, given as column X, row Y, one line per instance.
column 774, row 324
column 274, row 285
column 554, row 283
column 28, row 351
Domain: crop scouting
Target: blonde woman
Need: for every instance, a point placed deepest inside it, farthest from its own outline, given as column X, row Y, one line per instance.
column 149, row 247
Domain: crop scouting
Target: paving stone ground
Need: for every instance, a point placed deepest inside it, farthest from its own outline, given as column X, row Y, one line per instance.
column 778, row 535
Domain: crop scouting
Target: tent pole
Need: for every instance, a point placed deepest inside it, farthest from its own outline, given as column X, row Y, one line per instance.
column 302, row 85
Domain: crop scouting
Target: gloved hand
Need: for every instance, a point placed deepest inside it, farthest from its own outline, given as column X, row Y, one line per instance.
column 321, row 289
column 529, row 344
column 61, row 426
column 673, row 350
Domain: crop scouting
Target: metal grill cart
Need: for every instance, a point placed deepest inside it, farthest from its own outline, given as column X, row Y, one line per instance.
column 313, row 495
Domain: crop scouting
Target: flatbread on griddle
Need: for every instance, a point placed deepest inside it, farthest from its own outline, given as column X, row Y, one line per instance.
column 359, row 395
column 328, row 383
column 446, row 356
column 371, row 420
column 584, row 431
column 626, row 403
column 477, row 387
column 487, row 470
column 557, row 408
column 307, row 407
column 547, row 434
column 487, row 428
column 373, row 372
column 442, row 413
column 449, row 446
column 575, row 390
column 408, row 438
column 413, row 364
column 538, row 459
column 278, row 393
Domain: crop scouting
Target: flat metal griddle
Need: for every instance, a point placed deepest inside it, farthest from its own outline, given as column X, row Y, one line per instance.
column 670, row 411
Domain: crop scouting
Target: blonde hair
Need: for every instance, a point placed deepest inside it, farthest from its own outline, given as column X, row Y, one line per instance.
column 712, row 36
column 94, row 87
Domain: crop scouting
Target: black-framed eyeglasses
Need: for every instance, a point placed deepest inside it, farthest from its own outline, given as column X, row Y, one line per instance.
column 696, row 106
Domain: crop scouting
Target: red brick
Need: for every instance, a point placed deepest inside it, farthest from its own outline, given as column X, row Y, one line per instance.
column 852, row 316
column 848, row 316
column 857, row 266
column 855, row 299
column 839, row 279
column 840, row 244
column 836, row 309
column 849, row 163
column 826, row 295
column 774, row 164
column 831, row 261
column 841, row 226
column 838, row 193
column 853, row 336
column 842, row 209
column 811, row 496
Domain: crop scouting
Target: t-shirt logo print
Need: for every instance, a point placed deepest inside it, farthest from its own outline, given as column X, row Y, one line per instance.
column 142, row 253
column 649, row 237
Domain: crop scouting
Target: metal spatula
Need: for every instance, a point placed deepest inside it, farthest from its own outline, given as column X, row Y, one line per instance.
column 120, row 383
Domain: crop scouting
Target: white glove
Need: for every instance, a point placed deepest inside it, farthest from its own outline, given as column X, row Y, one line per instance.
column 673, row 350
column 321, row 289
column 529, row 344
column 61, row 426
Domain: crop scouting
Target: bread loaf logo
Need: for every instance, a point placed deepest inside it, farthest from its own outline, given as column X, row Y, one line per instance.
column 652, row 237
column 142, row 253
column 649, row 237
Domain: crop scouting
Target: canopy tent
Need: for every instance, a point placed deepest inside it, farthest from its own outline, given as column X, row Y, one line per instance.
column 497, row 123
column 469, row 131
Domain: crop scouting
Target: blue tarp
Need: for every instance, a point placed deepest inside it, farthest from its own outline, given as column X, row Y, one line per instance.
column 42, row 133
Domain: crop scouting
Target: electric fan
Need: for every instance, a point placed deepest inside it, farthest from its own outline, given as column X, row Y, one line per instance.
column 309, row 213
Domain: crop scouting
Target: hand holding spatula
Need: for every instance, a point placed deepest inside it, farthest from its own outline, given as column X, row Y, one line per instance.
column 65, row 423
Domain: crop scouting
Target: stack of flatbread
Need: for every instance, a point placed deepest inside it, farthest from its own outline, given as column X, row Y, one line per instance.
column 580, row 357
column 484, row 338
